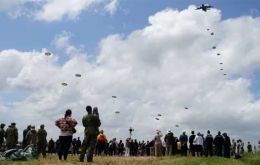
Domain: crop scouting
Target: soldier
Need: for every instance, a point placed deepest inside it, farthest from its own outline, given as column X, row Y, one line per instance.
column 2, row 134
column 11, row 136
column 31, row 137
column 91, row 124
column 24, row 135
column 42, row 141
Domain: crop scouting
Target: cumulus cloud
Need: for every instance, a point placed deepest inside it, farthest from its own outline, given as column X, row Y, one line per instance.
column 162, row 68
column 53, row 10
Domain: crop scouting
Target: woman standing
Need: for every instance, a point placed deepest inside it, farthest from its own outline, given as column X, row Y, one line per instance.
column 66, row 125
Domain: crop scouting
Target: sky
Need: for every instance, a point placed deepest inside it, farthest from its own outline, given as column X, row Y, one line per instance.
column 157, row 57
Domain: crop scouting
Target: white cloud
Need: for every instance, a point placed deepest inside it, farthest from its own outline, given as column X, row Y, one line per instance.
column 112, row 6
column 53, row 10
column 158, row 69
column 56, row 10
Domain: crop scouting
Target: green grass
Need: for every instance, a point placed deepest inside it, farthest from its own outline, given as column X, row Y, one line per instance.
column 249, row 159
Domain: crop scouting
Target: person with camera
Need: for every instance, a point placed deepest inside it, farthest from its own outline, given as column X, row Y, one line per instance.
column 66, row 125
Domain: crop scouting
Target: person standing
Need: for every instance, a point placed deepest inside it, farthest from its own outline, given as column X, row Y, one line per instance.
column 66, row 125
column 101, row 142
column 42, row 141
column 158, row 143
column 184, row 143
column 169, row 143
column 51, row 146
column 208, row 144
column 227, row 145
column 249, row 147
column 191, row 139
column 91, row 124
column 31, row 137
column 78, row 145
column 11, row 136
column 2, row 134
column 218, row 141
column 24, row 135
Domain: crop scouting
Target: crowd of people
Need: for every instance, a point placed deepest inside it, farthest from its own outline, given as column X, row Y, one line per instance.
column 96, row 143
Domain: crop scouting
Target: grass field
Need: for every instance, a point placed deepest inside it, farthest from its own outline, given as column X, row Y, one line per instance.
column 176, row 160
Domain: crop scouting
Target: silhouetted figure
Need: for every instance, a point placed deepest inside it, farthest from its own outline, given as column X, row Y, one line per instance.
column 208, row 144
column 78, row 145
column 184, row 143
column 42, row 141
column 218, row 141
column 227, row 145
column 191, row 139
column 2, row 135
column 51, row 146
column 169, row 139
column 249, row 147
column 120, row 148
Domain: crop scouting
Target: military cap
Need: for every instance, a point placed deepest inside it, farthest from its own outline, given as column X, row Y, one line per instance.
column 2, row 124
column 12, row 123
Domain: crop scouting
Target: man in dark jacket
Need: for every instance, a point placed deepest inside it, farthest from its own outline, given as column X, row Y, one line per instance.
column 208, row 144
column 91, row 124
column 191, row 139
column 184, row 143
column 226, row 144
column 168, row 139
column 218, row 141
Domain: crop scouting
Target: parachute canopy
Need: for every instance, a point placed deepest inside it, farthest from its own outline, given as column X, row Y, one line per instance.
column 47, row 53
column 78, row 75
column 64, row 84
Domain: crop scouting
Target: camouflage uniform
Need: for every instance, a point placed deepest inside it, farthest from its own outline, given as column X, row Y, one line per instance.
column 11, row 136
column 42, row 141
column 31, row 137
column 91, row 124
column 2, row 135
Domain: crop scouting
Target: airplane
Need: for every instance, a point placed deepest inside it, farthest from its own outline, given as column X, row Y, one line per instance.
column 204, row 7
column 117, row 112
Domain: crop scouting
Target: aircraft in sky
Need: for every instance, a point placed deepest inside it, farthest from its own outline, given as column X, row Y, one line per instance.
column 204, row 7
